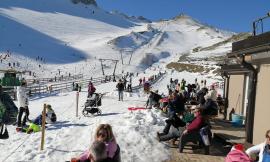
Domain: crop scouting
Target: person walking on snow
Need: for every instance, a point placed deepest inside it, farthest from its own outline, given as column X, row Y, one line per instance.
column 120, row 88
column 91, row 89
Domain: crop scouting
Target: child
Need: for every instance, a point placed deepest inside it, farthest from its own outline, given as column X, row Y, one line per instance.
column 103, row 133
column 50, row 116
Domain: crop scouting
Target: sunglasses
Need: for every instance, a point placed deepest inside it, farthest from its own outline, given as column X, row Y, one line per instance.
column 102, row 134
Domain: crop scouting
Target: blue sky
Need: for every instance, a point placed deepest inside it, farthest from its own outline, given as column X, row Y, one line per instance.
column 233, row 15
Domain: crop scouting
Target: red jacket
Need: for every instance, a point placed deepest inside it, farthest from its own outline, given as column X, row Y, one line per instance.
column 91, row 88
column 196, row 124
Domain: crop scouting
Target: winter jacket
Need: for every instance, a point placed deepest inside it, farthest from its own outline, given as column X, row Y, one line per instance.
column 257, row 149
column 212, row 94
column 22, row 96
column 91, row 88
column 50, row 116
column 177, row 105
column 196, row 124
column 155, row 97
column 237, row 156
column 175, row 121
column 120, row 86
column 34, row 127
column 111, row 150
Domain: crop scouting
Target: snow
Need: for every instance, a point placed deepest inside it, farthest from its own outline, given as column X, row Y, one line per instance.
column 71, row 38
column 135, row 131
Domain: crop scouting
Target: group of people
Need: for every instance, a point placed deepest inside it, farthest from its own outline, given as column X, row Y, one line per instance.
column 103, row 149
column 24, row 124
column 188, row 108
column 23, row 116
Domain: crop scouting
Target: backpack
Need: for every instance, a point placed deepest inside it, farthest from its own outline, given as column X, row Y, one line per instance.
column 8, row 110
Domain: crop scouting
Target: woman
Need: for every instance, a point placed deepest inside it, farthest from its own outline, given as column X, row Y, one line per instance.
column 263, row 149
column 104, row 134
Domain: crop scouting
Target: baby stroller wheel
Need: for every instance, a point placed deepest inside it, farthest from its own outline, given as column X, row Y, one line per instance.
column 99, row 112
column 85, row 112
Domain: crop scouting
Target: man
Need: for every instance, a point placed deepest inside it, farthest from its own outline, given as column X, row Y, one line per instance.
column 120, row 88
column 210, row 105
column 192, row 130
column 23, row 104
column 172, row 130
column 175, row 126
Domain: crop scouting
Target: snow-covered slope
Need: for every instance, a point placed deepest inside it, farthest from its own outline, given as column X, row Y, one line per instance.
column 76, row 36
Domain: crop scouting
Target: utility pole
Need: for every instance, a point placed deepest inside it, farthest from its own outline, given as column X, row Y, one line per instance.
column 122, row 56
column 115, row 68
column 130, row 58
column 102, row 66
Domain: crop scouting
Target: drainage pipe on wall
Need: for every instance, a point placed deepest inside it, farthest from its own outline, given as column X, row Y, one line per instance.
column 251, row 99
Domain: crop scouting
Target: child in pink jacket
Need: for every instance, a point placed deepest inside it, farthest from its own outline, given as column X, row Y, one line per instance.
column 103, row 133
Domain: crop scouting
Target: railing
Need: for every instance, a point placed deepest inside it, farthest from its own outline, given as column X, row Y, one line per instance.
column 257, row 22
column 158, row 77
column 58, row 87
column 55, row 79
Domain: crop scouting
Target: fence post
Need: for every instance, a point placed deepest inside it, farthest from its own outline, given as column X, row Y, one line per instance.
column 77, row 103
column 43, row 127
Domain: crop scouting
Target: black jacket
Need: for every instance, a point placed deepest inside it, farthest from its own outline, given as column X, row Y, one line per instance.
column 120, row 86
column 176, row 121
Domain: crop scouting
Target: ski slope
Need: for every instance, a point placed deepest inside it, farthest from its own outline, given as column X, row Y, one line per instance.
column 71, row 38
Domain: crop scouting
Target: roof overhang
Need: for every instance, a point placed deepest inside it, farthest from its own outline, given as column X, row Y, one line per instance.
column 251, row 45
column 235, row 69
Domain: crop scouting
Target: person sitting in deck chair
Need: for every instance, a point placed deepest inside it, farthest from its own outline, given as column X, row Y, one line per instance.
column 191, row 132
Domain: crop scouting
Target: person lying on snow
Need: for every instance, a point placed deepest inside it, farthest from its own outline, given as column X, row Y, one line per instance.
column 104, row 134
column 50, row 116
column 31, row 128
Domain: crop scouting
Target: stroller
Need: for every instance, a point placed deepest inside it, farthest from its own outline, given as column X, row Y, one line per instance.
column 91, row 105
